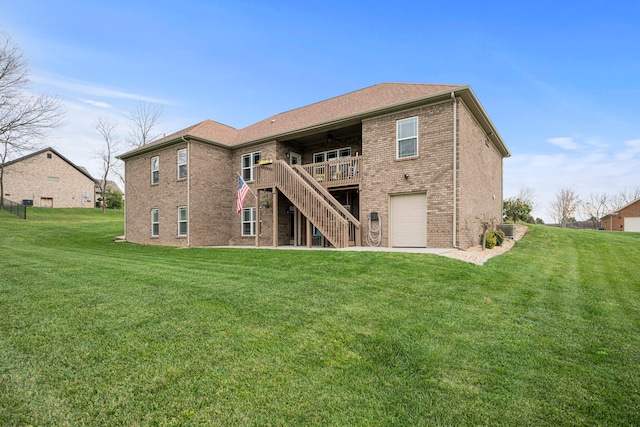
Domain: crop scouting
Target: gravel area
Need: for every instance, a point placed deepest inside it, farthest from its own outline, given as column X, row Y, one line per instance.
column 476, row 255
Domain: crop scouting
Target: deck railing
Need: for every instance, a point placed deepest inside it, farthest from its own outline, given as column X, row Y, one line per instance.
column 331, row 222
column 354, row 223
column 339, row 172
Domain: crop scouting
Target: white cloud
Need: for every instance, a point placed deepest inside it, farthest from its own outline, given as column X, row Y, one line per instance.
column 564, row 143
column 92, row 89
column 96, row 103
column 592, row 168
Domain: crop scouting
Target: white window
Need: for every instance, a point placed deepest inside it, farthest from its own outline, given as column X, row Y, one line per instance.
column 155, row 222
column 155, row 169
column 407, row 137
column 248, row 162
column 182, row 163
column 326, row 156
column 182, row 220
column 249, row 221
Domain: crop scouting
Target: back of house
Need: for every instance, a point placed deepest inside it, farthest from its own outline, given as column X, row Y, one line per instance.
column 394, row 165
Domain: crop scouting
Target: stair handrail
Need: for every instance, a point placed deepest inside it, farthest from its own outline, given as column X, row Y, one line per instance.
column 326, row 195
column 340, row 238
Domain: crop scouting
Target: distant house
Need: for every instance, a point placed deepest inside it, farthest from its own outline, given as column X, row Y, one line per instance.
column 111, row 185
column 627, row 218
column 395, row 164
column 48, row 179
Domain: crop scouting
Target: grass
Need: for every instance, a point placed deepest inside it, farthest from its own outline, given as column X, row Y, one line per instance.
column 100, row 333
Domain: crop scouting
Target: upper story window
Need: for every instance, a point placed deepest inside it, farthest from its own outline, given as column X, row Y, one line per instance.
column 155, row 222
column 248, row 162
column 155, row 170
column 182, row 221
column 326, row 156
column 182, row 163
column 407, row 137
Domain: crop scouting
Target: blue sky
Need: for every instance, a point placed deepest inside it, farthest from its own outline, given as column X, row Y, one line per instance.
column 558, row 79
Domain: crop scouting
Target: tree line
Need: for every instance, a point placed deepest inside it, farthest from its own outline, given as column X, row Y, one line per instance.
column 26, row 119
column 567, row 206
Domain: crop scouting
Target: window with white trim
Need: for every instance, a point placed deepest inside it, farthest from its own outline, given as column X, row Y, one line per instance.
column 155, row 170
column 182, row 220
column 182, row 163
column 326, row 156
column 248, row 162
column 407, row 137
column 155, row 222
column 249, row 221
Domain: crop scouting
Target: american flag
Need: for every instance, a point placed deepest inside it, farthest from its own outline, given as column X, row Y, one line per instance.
column 243, row 189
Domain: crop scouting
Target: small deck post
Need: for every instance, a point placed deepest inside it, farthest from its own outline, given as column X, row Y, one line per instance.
column 295, row 226
column 274, row 202
column 258, row 219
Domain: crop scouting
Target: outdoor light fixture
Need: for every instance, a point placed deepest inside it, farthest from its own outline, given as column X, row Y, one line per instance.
column 406, row 176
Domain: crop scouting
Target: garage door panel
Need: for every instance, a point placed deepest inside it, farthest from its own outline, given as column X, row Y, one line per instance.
column 409, row 220
column 632, row 224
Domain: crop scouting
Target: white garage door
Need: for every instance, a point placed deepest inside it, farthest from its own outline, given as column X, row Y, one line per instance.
column 632, row 223
column 409, row 220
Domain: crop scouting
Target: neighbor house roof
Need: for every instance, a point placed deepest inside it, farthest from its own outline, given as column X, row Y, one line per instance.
column 617, row 212
column 111, row 185
column 80, row 169
column 354, row 106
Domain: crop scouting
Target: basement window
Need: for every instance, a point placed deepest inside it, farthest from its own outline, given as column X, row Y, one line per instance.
column 182, row 221
column 249, row 221
column 155, row 222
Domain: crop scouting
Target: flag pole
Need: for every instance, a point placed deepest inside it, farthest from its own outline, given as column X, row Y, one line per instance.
column 254, row 194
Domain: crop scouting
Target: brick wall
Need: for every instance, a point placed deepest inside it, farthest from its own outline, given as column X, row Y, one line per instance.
column 615, row 222
column 479, row 178
column 213, row 183
column 167, row 195
column 430, row 171
column 213, row 195
column 43, row 179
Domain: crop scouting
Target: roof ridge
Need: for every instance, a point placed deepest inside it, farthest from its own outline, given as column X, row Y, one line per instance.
column 80, row 169
column 347, row 94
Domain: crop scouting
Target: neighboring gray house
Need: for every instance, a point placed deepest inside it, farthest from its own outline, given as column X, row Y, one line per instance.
column 395, row 165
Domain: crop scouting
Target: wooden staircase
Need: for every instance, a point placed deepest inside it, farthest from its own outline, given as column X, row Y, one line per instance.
column 315, row 202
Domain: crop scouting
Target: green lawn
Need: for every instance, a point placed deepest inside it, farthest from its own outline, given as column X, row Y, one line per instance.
column 100, row 333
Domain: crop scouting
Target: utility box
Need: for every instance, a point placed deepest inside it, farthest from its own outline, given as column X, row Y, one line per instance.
column 508, row 230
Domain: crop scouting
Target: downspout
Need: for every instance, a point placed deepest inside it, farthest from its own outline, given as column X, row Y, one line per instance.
column 188, row 192
column 455, row 167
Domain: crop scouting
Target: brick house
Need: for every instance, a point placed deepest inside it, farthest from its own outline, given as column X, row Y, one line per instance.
column 395, row 165
column 627, row 218
column 48, row 179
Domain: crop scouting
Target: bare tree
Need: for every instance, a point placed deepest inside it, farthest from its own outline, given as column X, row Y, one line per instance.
column 595, row 208
column 564, row 206
column 627, row 196
column 25, row 119
column 144, row 119
column 107, row 130
column 526, row 195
